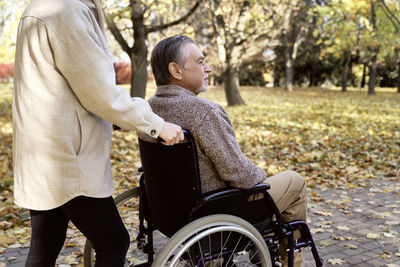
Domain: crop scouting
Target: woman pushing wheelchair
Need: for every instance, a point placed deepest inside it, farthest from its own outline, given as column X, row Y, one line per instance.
column 64, row 101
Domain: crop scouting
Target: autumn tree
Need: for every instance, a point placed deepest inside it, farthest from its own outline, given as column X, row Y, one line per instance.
column 10, row 12
column 374, row 48
column 341, row 27
column 131, row 22
column 360, row 32
column 382, row 39
column 240, row 29
column 390, row 10
column 295, row 22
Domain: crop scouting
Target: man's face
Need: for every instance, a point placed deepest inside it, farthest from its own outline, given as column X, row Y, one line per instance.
column 194, row 69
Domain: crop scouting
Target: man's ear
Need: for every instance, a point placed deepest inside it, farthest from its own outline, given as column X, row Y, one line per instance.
column 175, row 70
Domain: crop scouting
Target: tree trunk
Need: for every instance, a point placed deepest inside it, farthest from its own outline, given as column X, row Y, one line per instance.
column 139, row 52
column 311, row 78
column 352, row 76
column 232, row 93
column 288, row 43
column 277, row 74
column 398, row 78
column 363, row 75
column 288, row 82
column 397, row 52
column 287, row 51
column 314, row 75
column 372, row 73
column 139, row 68
column 288, row 70
column 375, row 50
column 345, row 70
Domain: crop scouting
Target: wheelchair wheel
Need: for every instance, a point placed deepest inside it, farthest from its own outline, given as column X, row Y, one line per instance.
column 128, row 207
column 215, row 240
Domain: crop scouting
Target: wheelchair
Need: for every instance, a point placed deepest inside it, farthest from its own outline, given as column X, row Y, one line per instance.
column 225, row 227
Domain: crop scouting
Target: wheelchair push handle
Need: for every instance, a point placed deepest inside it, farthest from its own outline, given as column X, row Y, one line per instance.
column 186, row 133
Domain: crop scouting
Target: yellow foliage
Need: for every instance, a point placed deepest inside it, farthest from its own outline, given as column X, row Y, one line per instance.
column 8, row 38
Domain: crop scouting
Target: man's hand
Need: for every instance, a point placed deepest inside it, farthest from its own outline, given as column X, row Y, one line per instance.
column 171, row 134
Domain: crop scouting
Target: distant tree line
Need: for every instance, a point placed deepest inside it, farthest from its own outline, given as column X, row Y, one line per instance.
column 286, row 43
column 297, row 42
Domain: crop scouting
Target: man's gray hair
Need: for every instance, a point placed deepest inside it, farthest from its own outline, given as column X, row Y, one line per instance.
column 167, row 51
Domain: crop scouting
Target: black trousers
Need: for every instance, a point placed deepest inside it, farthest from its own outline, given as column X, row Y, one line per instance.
column 97, row 218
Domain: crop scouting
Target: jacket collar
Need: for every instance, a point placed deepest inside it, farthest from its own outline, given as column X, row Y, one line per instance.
column 173, row 90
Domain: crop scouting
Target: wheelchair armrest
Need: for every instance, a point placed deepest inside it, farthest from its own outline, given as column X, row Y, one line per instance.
column 232, row 191
column 257, row 210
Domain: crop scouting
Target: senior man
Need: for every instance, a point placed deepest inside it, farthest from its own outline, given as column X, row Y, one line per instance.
column 181, row 73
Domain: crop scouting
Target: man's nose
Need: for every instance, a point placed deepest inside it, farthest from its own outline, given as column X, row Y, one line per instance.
column 207, row 69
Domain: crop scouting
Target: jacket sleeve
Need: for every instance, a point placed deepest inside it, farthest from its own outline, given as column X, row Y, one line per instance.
column 218, row 141
column 83, row 58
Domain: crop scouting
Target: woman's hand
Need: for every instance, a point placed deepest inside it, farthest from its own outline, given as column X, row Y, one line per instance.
column 171, row 134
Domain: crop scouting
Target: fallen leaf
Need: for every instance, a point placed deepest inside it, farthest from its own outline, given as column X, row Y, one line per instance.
column 325, row 243
column 388, row 235
column 373, row 235
column 317, row 230
column 5, row 240
column 385, row 255
column 350, row 246
column 343, row 228
column 336, row 261
column 315, row 196
column 323, row 213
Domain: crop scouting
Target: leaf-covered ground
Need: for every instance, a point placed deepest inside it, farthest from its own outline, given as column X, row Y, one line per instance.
column 334, row 139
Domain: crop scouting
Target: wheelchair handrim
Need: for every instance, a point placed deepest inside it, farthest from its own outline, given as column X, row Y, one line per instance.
column 213, row 230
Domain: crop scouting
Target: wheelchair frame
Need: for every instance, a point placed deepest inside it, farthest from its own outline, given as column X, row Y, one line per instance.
column 208, row 213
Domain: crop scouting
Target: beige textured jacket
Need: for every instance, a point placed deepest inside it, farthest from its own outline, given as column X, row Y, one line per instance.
column 64, row 102
column 221, row 161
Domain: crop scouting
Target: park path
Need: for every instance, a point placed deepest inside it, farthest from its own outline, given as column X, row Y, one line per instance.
column 352, row 227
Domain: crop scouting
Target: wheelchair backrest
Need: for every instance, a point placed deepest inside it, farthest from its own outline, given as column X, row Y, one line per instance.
column 172, row 183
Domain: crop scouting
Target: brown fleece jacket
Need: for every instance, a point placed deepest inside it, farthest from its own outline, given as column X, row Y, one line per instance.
column 221, row 162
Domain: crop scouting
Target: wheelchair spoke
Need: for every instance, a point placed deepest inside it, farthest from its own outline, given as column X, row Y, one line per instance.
column 233, row 252
column 220, row 254
column 197, row 244
column 222, row 246
column 191, row 260
column 209, row 245
column 251, row 257
column 201, row 253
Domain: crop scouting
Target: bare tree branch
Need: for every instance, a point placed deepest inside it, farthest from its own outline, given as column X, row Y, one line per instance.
column 391, row 16
column 183, row 18
column 138, row 8
column 117, row 34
